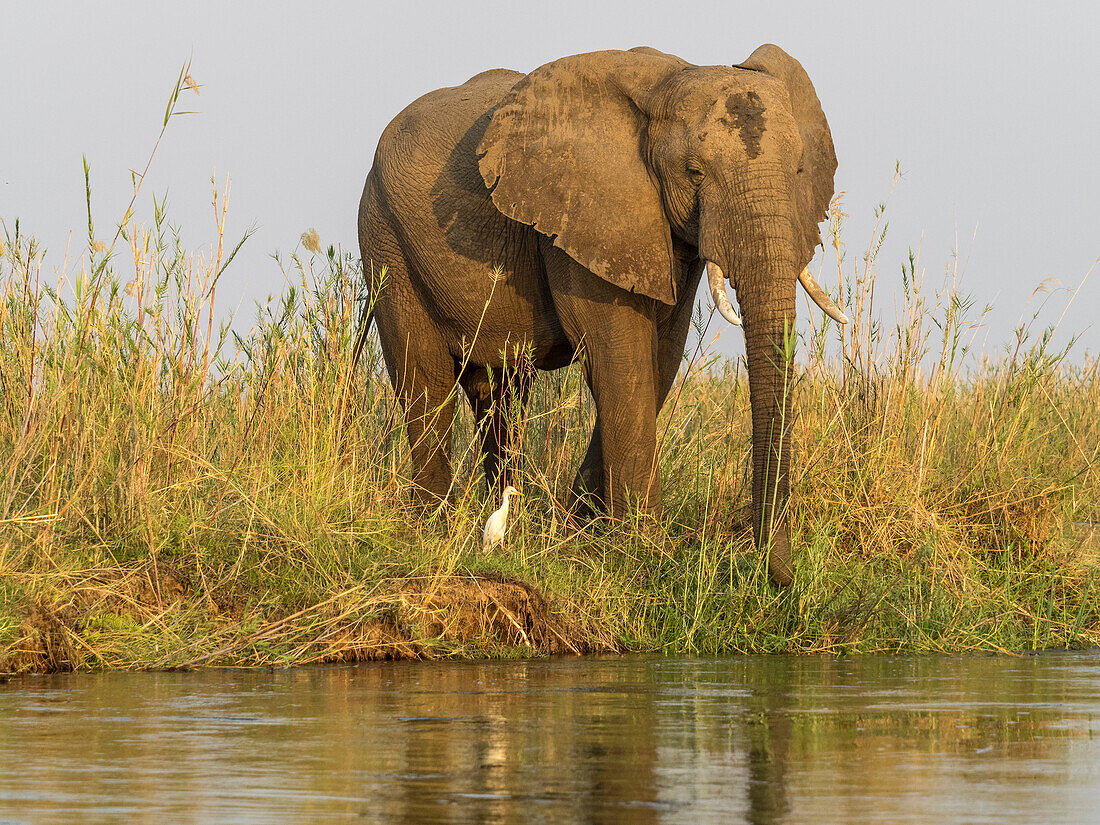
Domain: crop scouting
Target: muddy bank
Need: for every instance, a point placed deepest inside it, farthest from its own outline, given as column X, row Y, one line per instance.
column 156, row 616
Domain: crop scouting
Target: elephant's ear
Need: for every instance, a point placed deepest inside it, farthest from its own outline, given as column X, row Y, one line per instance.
column 564, row 152
column 818, row 154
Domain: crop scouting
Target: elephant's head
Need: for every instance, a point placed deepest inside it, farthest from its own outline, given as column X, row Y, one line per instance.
column 613, row 154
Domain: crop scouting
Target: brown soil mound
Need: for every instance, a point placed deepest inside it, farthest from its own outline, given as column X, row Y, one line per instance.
column 462, row 615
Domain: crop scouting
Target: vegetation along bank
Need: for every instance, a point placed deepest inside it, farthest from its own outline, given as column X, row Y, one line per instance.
column 178, row 493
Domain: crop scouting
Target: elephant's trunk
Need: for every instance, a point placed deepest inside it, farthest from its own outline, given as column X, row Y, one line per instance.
column 768, row 307
column 766, row 294
column 757, row 251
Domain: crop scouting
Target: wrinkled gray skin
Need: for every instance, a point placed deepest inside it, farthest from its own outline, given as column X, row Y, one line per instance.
column 600, row 184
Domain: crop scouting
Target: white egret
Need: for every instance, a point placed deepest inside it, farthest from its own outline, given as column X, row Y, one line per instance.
column 497, row 524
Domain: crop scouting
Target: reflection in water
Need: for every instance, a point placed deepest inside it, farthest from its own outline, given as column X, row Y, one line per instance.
column 760, row 740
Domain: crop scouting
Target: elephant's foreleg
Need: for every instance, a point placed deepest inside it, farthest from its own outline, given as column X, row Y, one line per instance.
column 627, row 419
column 618, row 333
column 673, row 324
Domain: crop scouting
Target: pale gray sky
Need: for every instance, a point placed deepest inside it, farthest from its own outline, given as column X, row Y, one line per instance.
column 990, row 108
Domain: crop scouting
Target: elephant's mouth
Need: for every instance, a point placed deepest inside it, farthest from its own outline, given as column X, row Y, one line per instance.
column 717, row 280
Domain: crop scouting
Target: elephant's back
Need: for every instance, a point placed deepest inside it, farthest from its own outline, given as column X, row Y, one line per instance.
column 427, row 131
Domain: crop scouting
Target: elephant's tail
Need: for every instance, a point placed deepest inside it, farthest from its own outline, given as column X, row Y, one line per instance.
column 366, row 318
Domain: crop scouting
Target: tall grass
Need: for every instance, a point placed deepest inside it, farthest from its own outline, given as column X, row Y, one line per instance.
column 175, row 492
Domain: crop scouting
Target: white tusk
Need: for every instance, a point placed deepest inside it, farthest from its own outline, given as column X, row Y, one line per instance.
column 718, row 293
column 820, row 298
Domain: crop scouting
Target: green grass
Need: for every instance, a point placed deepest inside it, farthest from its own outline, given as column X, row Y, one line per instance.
column 175, row 494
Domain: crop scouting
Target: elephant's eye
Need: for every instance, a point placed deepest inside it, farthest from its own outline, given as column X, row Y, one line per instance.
column 695, row 174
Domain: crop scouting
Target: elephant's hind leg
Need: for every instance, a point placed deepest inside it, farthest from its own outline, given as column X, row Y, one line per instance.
column 422, row 371
column 499, row 400
column 429, row 403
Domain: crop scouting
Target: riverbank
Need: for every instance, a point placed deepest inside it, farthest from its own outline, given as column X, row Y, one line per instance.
column 371, row 601
column 176, row 494
column 172, row 504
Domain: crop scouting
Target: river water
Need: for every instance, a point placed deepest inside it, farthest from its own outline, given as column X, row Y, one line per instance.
column 755, row 740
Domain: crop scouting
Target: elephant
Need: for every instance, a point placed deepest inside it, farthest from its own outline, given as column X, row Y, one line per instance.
column 568, row 214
